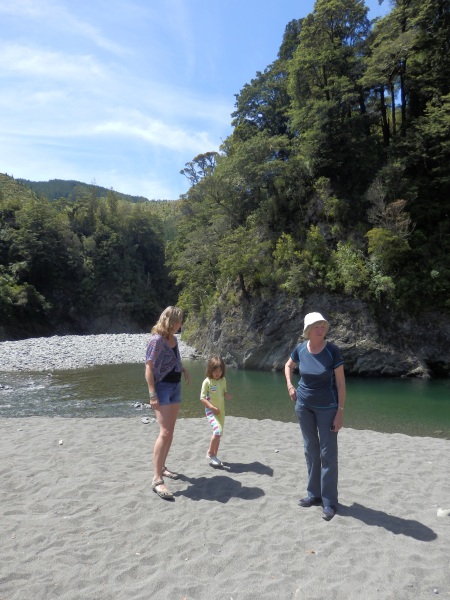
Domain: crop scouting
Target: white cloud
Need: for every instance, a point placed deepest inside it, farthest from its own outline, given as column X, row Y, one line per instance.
column 56, row 16
column 158, row 133
column 130, row 120
column 182, row 30
column 18, row 60
column 56, row 94
column 20, row 8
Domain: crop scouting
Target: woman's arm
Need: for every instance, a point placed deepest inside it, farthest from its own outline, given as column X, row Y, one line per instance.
column 150, row 379
column 288, row 367
column 341, row 390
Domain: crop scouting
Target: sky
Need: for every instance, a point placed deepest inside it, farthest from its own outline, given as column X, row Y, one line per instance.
column 124, row 93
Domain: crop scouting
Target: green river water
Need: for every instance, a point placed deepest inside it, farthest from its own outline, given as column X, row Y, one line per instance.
column 413, row 407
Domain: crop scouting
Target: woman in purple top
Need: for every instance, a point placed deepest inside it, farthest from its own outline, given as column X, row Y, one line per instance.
column 163, row 371
column 319, row 406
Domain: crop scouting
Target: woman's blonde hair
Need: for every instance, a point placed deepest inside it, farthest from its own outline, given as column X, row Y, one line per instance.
column 216, row 362
column 169, row 318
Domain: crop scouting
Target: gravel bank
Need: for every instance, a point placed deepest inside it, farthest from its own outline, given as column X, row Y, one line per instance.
column 77, row 351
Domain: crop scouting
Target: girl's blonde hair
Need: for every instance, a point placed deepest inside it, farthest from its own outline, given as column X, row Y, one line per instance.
column 169, row 318
column 216, row 362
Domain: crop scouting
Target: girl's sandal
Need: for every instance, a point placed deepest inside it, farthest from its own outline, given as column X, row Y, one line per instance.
column 168, row 473
column 165, row 494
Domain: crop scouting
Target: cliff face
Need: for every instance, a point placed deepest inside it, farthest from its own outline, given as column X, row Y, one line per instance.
column 262, row 334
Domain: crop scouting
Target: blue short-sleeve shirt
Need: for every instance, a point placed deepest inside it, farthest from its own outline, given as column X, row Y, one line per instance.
column 317, row 385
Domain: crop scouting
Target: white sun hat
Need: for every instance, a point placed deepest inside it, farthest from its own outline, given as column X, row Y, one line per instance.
column 312, row 318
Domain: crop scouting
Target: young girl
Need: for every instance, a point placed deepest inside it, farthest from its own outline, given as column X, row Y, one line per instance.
column 213, row 395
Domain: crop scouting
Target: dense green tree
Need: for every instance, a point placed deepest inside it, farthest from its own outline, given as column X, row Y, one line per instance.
column 64, row 264
column 200, row 167
column 336, row 174
column 429, row 63
column 261, row 105
column 328, row 106
column 351, row 270
column 244, row 257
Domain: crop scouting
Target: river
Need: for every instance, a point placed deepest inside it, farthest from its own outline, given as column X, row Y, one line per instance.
column 410, row 406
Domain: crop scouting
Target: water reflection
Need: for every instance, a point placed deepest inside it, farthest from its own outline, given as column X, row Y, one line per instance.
column 414, row 407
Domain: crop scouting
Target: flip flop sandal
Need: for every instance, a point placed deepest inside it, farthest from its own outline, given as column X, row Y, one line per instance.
column 168, row 473
column 166, row 495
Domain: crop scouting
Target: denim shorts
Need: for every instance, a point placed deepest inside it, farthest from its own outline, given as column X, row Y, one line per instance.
column 168, row 393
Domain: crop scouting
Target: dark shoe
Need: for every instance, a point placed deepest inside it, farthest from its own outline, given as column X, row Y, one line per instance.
column 328, row 513
column 309, row 501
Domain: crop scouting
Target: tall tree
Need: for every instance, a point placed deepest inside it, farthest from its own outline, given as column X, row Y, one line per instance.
column 329, row 113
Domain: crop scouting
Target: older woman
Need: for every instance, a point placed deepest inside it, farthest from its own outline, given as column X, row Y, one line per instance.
column 319, row 406
column 163, row 371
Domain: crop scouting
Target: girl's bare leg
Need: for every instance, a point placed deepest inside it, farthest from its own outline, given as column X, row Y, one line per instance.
column 214, row 445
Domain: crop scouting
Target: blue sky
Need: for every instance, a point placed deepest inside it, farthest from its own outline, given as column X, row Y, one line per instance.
column 123, row 93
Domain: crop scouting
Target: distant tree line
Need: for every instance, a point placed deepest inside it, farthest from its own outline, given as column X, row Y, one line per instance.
column 65, row 263
column 54, row 189
column 336, row 176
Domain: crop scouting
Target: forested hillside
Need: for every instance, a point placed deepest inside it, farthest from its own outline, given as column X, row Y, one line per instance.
column 87, row 263
column 336, row 178
column 61, row 188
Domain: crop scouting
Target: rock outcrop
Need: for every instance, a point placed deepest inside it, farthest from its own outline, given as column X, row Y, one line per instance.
column 261, row 335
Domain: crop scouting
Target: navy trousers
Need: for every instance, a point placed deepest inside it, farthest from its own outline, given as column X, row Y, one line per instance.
column 321, row 452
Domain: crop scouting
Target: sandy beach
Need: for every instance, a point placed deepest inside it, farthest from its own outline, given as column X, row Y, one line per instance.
column 79, row 519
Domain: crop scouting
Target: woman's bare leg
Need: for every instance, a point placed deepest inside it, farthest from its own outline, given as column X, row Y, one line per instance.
column 166, row 416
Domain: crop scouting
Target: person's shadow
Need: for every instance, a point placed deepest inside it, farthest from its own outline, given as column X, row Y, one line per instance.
column 221, row 488
column 254, row 467
column 398, row 525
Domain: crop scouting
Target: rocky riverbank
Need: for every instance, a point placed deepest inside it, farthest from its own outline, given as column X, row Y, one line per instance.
column 260, row 335
column 77, row 351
